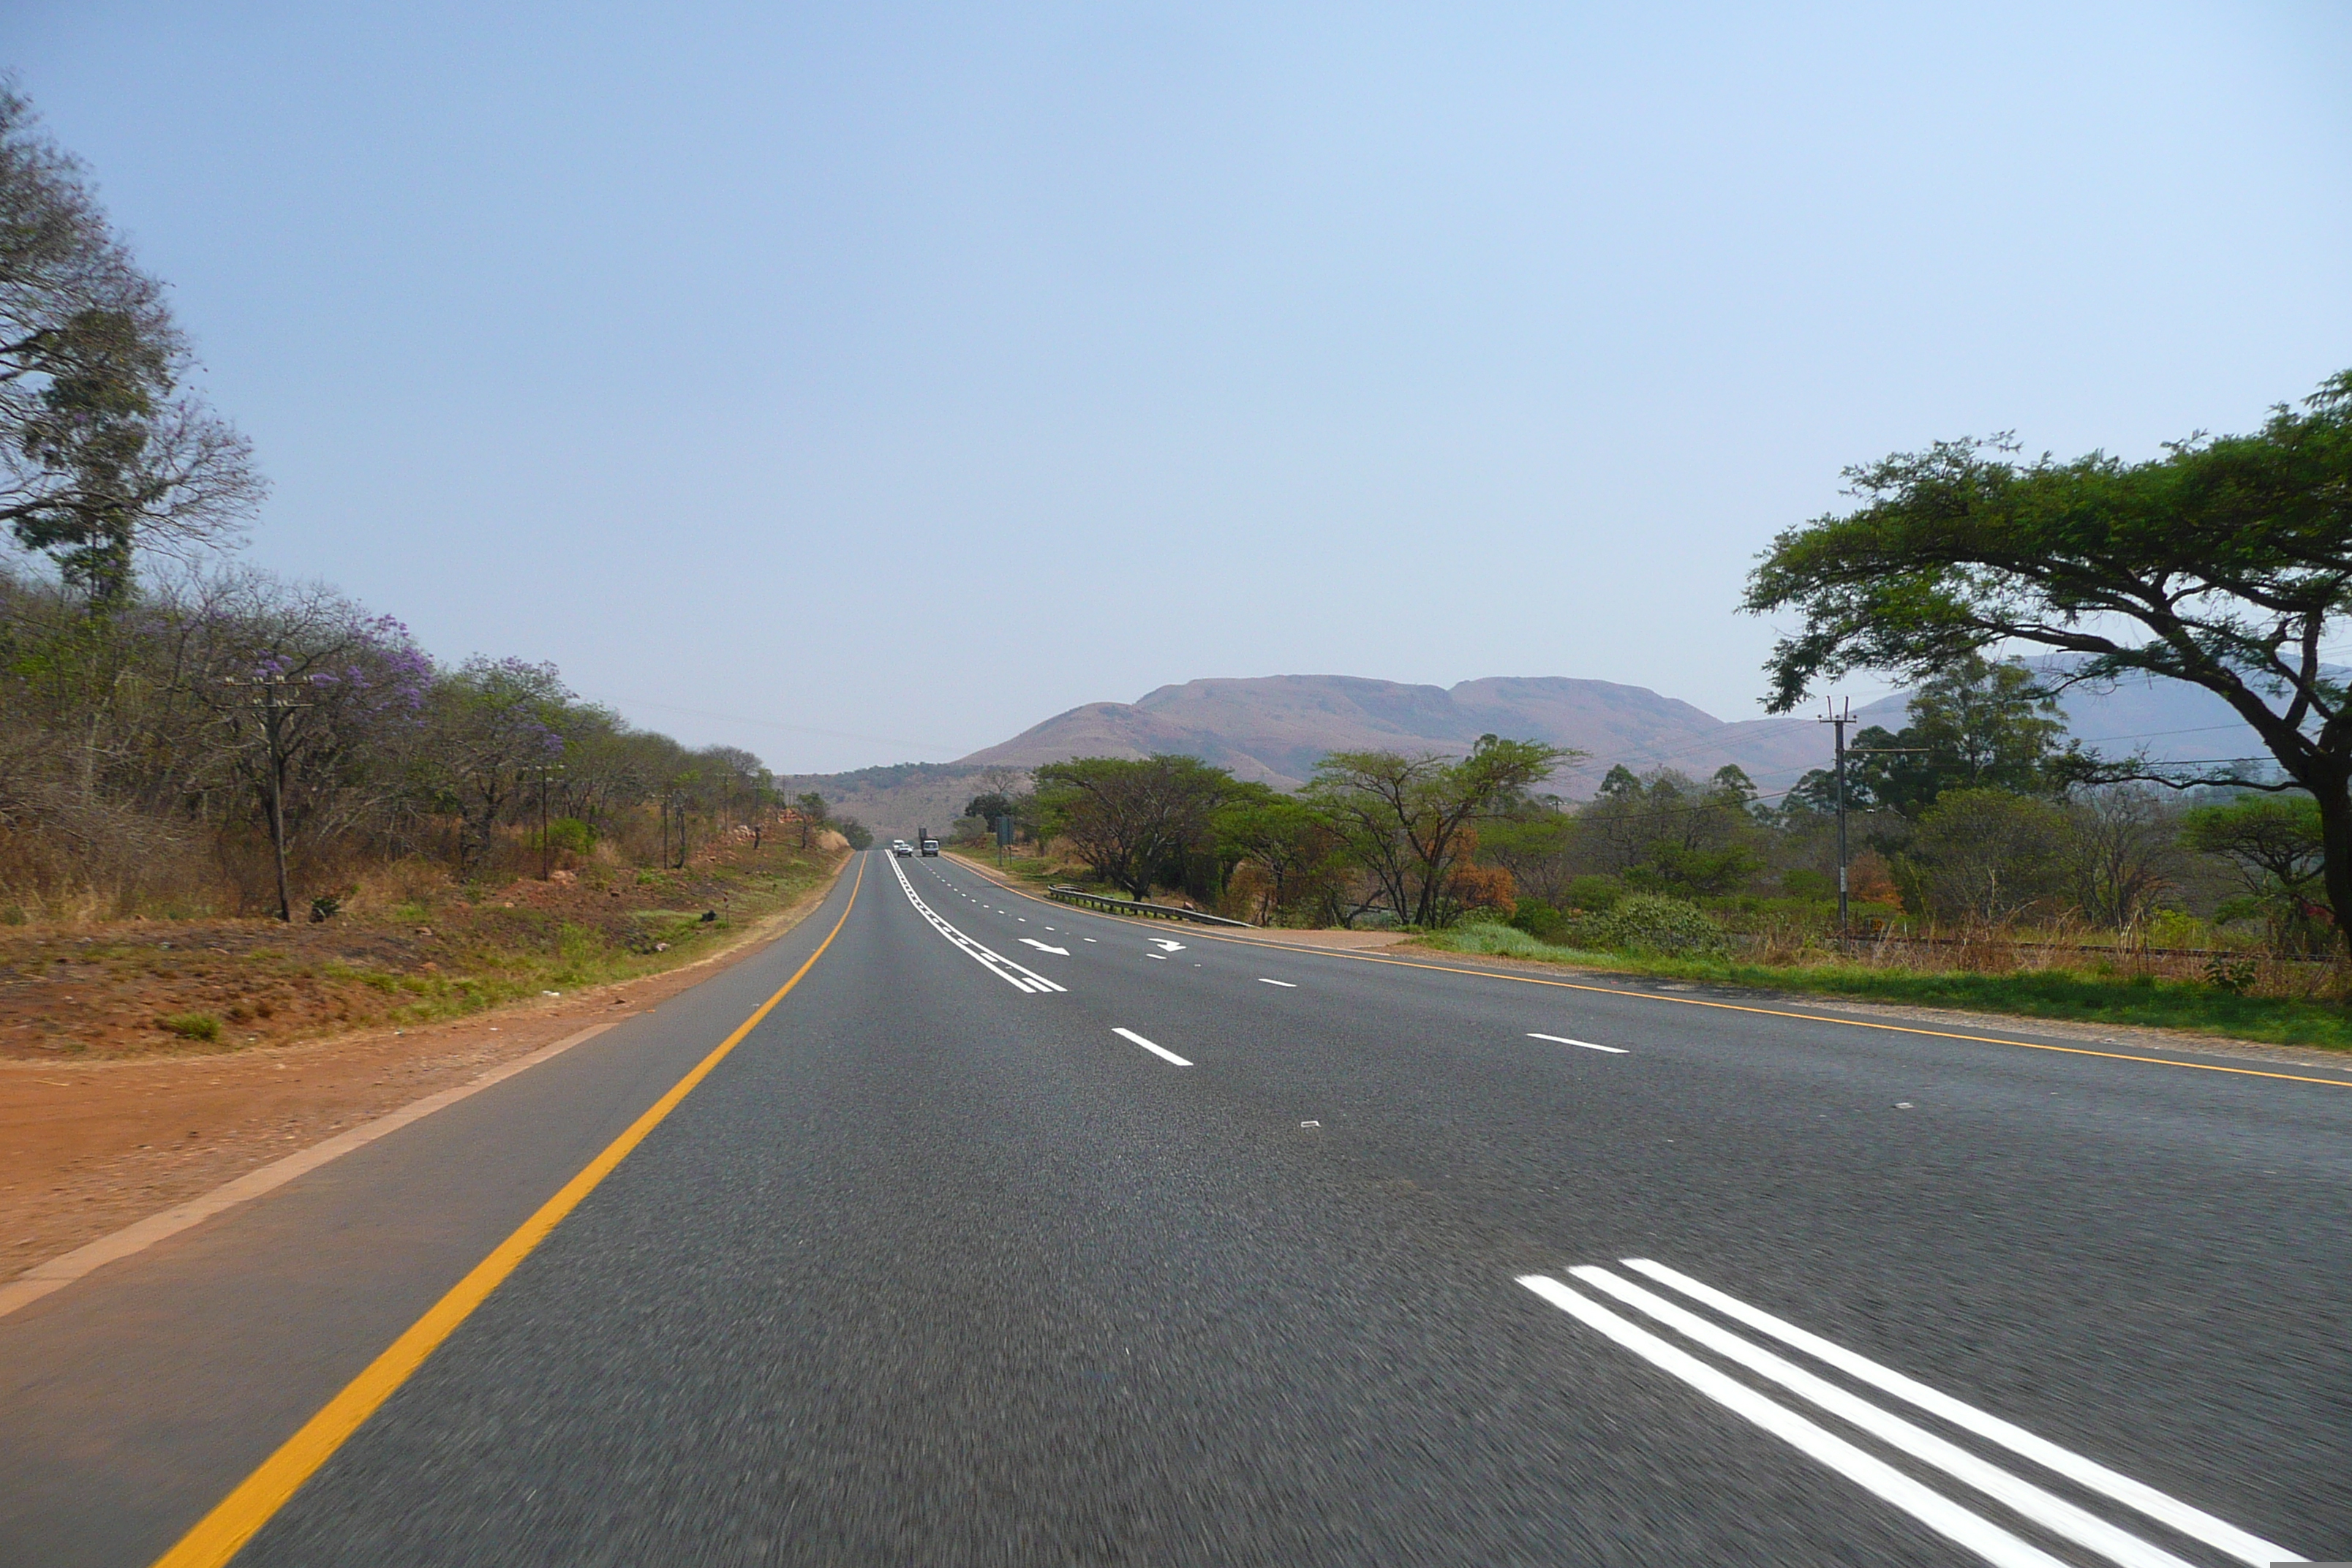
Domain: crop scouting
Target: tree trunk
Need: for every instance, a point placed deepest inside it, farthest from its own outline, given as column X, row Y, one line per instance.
column 2336, row 841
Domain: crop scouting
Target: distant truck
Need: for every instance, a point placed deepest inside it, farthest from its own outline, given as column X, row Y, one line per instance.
column 930, row 847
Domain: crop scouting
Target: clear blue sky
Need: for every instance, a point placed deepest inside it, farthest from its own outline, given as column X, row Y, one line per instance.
column 911, row 373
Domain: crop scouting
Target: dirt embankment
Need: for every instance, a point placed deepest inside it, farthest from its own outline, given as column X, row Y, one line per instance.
column 106, row 1118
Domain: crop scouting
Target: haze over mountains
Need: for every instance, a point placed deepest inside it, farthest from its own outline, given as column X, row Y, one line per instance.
column 1273, row 729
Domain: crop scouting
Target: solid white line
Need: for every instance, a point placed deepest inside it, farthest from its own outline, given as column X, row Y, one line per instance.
column 1588, row 1045
column 2194, row 1522
column 1160, row 1051
column 2052, row 1513
column 1025, row 981
column 1932, row 1508
column 1286, row 985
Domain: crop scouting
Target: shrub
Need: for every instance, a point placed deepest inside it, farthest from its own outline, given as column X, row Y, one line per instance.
column 569, row 833
column 1596, row 895
column 193, row 1026
column 1539, row 919
column 1651, row 922
column 2235, row 976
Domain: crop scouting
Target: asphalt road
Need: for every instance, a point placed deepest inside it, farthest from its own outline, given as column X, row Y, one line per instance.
column 1167, row 1248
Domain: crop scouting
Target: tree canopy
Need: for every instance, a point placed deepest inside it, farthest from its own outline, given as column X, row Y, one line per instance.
column 2224, row 562
column 104, row 450
column 1977, row 724
column 1409, row 820
column 1128, row 819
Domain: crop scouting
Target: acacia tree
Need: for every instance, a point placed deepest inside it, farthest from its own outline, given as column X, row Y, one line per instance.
column 1285, row 841
column 1130, row 819
column 2223, row 563
column 2274, row 843
column 103, row 450
column 1406, row 819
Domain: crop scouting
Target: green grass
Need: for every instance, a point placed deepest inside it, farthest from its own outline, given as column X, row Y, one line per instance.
column 2065, row 993
column 1028, row 868
column 194, row 1025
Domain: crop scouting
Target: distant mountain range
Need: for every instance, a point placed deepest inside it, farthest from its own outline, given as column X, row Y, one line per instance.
column 1274, row 728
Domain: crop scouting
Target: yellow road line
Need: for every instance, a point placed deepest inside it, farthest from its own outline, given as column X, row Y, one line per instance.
column 220, row 1534
column 1730, row 1006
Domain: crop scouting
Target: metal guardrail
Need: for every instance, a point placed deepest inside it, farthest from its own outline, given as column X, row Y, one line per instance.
column 1131, row 906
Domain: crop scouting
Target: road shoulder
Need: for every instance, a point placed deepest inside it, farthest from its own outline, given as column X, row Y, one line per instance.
column 104, row 1148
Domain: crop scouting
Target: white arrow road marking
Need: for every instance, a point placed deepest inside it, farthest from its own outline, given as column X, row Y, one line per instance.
column 1164, row 945
column 1160, row 1051
column 1932, row 1508
column 1286, row 985
column 2193, row 1523
column 1588, row 1045
column 1041, row 947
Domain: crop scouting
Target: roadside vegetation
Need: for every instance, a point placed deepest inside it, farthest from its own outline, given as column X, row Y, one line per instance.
column 415, row 944
column 235, row 809
column 1996, row 862
column 2103, row 991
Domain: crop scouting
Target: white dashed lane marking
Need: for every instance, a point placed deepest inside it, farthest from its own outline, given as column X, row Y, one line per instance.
column 1588, row 1045
column 1162, row 1052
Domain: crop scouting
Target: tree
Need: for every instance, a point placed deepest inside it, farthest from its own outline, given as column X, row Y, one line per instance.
column 1404, row 818
column 988, row 807
column 1129, row 820
column 307, row 684
column 812, row 809
column 1538, row 847
column 2279, row 849
column 1284, row 842
column 2124, row 850
column 1976, row 724
column 103, row 450
column 1986, row 855
column 492, row 721
column 2223, row 563
column 1670, row 833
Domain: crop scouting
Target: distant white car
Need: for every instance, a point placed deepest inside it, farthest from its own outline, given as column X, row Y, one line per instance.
column 900, row 846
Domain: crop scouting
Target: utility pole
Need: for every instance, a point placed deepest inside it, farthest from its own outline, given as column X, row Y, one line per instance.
column 1839, row 717
column 546, row 850
column 270, row 699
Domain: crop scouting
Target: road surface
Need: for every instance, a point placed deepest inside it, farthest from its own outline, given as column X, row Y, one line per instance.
column 1017, row 1234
